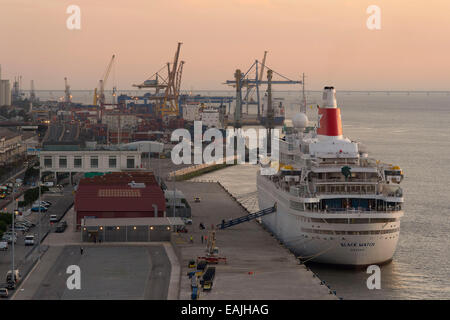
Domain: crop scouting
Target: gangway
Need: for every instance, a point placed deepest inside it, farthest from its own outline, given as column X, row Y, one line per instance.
column 251, row 216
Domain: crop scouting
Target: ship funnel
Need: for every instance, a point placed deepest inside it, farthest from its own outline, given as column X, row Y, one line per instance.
column 329, row 97
column 329, row 123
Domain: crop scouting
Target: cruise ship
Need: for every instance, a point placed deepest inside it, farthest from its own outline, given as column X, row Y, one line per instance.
column 334, row 204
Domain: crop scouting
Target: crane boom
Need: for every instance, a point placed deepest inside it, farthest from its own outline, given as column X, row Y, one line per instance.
column 101, row 92
column 262, row 66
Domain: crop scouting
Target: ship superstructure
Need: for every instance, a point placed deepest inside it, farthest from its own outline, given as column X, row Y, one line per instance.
column 334, row 203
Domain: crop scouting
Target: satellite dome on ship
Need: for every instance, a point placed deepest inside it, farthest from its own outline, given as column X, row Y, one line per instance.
column 300, row 120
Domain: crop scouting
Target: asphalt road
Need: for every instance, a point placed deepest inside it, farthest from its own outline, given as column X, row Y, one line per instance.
column 109, row 272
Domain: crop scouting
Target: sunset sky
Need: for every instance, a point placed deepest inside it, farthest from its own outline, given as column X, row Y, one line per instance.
column 326, row 39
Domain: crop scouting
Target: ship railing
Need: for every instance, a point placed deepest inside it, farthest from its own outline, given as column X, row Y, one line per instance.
column 340, row 161
column 348, row 192
column 341, row 181
column 361, row 210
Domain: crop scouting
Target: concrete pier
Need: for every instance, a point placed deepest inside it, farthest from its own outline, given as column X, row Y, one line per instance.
column 258, row 266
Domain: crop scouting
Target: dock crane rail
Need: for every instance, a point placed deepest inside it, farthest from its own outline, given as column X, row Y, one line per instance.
column 251, row 216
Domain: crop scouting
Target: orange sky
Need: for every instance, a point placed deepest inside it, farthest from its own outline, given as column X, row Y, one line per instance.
column 326, row 39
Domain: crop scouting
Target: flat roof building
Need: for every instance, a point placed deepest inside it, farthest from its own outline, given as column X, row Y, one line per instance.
column 119, row 195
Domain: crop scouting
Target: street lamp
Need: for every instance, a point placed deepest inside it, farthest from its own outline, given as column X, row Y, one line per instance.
column 13, row 236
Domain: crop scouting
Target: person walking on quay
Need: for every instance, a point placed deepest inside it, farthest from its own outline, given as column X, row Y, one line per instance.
column 81, row 250
column 202, row 239
column 192, row 240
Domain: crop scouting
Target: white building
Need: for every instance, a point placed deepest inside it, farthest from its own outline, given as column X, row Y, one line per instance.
column 87, row 160
column 211, row 118
column 10, row 146
column 191, row 112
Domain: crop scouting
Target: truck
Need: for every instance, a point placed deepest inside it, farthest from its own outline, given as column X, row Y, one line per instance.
column 208, row 278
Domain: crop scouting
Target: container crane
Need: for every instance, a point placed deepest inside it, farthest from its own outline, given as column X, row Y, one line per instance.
column 170, row 103
column 167, row 89
column 67, row 94
column 99, row 96
column 248, row 82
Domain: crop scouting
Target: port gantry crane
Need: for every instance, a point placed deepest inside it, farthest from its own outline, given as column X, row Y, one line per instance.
column 167, row 101
column 99, row 95
column 246, row 81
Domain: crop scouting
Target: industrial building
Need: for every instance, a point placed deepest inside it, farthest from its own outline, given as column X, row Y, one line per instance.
column 176, row 198
column 128, row 229
column 5, row 91
column 119, row 195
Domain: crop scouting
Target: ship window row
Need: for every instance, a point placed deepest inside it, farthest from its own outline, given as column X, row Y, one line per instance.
column 346, row 205
column 344, row 188
column 353, row 205
column 355, row 220
column 354, row 233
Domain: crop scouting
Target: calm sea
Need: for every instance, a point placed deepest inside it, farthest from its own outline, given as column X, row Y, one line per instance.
column 412, row 131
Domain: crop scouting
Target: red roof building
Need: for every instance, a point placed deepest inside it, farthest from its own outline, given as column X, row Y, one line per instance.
column 119, row 195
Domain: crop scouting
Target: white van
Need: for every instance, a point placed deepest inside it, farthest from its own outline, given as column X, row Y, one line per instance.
column 29, row 240
column 3, row 245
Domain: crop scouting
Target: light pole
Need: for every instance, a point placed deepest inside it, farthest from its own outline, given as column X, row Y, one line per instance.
column 39, row 208
column 13, row 235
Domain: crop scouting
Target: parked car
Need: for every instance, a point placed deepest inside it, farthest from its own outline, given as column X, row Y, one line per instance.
column 29, row 240
column 46, row 203
column 16, row 276
column 53, row 218
column 3, row 245
column 9, row 233
column 29, row 222
column 10, row 285
column 61, row 227
column 20, row 228
column 4, row 293
column 36, row 209
column 182, row 229
column 196, row 199
column 25, row 223
column 43, row 204
column 9, row 238
column 187, row 221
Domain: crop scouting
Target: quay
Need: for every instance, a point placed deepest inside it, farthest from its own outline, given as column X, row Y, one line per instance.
column 258, row 266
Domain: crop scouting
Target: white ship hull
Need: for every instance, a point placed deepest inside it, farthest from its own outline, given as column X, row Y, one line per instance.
column 342, row 249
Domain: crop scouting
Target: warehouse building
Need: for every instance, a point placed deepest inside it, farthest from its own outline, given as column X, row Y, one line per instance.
column 123, row 207
column 119, row 195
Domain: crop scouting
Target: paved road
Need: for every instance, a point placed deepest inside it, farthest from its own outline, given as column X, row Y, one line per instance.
column 25, row 255
column 70, row 132
column 54, row 132
column 108, row 272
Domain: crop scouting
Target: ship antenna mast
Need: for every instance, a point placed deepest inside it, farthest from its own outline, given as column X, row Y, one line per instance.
column 303, row 107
